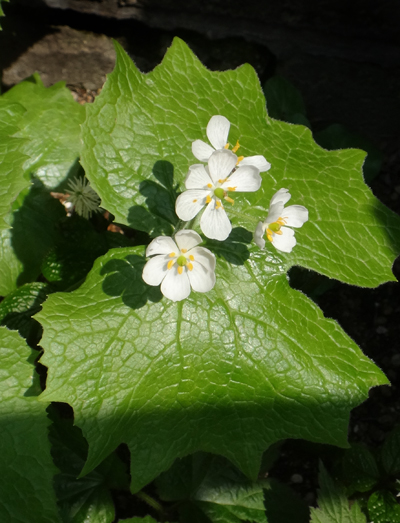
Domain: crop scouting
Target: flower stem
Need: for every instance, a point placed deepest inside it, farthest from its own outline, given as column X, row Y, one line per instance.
column 150, row 501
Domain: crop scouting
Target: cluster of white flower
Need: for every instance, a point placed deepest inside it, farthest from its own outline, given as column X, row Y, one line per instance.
column 180, row 265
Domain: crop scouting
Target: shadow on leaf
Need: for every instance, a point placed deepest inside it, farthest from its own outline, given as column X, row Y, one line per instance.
column 159, row 216
column 234, row 249
column 124, row 278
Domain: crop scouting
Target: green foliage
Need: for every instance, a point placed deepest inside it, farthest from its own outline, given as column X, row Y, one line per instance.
column 210, row 487
column 45, row 138
column 86, row 499
column 12, row 158
column 333, row 504
column 358, row 469
column 25, row 462
column 383, row 507
column 228, row 372
column 284, row 102
column 18, row 307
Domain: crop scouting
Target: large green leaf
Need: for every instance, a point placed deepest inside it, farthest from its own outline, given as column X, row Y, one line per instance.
column 137, row 149
column 12, row 158
column 230, row 372
column 51, row 128
column 26, row 492
column 211, row 486
column 47, row 133
column 251, row 362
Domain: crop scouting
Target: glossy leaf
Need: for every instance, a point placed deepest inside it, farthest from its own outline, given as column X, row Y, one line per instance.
column 173, row 378
column 137, row 150
column 26, row 491
column 12, row 158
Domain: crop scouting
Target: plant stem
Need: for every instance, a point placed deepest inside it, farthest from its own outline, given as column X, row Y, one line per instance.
column 150, row 501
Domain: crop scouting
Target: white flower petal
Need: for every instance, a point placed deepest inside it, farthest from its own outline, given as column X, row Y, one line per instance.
column 189, row 203
column 197, row 178
column 218, row 131
column 201, row 150
column 215, row 223
column 282, row 196
column 284, row 242
column 204, row 257
column 201, row 279
column 244, row 179
column 161, row 245
column 175, row 286
column 259, row 235
column 187, row 239
column 275, row 211
column 257, row 161
column 295, row 215
column 156, row 269
column 221, row 164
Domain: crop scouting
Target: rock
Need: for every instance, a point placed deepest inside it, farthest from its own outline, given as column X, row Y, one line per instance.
column 80, row 58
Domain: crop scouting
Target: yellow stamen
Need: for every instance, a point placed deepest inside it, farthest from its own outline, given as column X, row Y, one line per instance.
column 269, row 233
column 189, row 266
column 171, row 254
column 194, row 201
column 218, row 205
column 208, row 198
column 234, row 149
column 209, row 185
column 231, row 189
column 191, row 257
column 180, row 269
column 281, row 221
column 269, row 237
column 278, row 232
column 170, row 264
column 226, row 146
column 229, row 200
column 239, row 159
column 222, row 181
column 183, row 250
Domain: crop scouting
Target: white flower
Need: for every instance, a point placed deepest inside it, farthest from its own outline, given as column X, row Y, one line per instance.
column 207, row 186
column 278, row 218
column 179, row 265
column 217, row 133
column 82, row 197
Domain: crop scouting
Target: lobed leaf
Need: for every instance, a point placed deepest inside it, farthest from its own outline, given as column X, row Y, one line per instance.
column 26, row 489
column 137, row 151
column 230, row 372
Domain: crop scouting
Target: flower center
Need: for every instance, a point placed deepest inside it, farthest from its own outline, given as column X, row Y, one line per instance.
column 275, row 228
column 219, row 193
column 181, row 261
